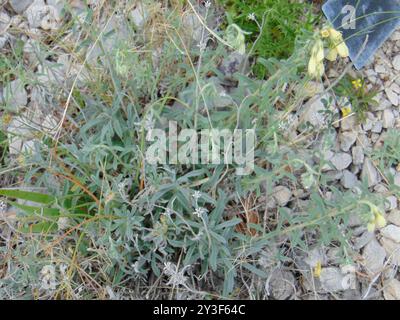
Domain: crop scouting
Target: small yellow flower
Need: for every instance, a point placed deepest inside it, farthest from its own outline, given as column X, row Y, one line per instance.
column 346, row 111
column 380, row 221
column 7, row 118
column 316, row 66
column 317, row 270
column 342, row 50
column 338, row 42
column 377, row 221
column 318, row 51
column 357, row 84
column 335, row 35
column 325, row 33
column 332, row 54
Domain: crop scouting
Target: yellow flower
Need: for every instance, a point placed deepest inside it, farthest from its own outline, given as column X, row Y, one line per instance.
column 346, row 111
column 377, row 221
column 380, row 221
column 332, row 54
column 316, row 66
column 317, row 270
column 338, row 42
column 357, row 84
column 335, row 35
column 7, row 118
column 318, row 51
column 325, row 33
column 342, row 50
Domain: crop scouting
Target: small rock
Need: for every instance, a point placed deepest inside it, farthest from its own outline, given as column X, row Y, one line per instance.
column 391, row 232
column 396, row 62
column 233, row 63
column 349, row 179
column 394, row 217
column 388, row 119
column 358, row 155
column 370, row 173
column 139, row 15
column 4, row 22
column 391, row 203
column 333, row 280
column 281, row 285
column 35, row 13
column 392, row 96
column 391, row 289
column 341, row 160
column 347, row 139
column 15, row 95
column 377, row 127
column 348, row 123
column 19, row 6
column 374, row 256
column 20, row 136
column 282, row 195
column 363, row 240
column 397, row 179
column 392, row 250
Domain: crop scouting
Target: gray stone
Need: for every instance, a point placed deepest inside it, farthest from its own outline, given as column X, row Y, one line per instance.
column 347, row 139
column 391, row 203
column 396, row 62
column 391, row 289
column 15, row 95
column 392, row 250
column 139, row 15
column 377, row 127
column 333, row 280
column 341, row 160
column 280, row 285
column 4, row 22
column 358, row 155
column 391, row 232
column 35, row 13
column 392, row 96
column 363, row 240
column 20, row 136
column 373, row 256
column 348, row 180
column 388, row 119
column 282, row 195
column 19, row 6
column 348, row 123
column 394, row 217
column 370, row 173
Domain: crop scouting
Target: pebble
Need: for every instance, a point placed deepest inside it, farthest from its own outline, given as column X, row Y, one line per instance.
column 391, row 289
column 19, row 6
column 388, row 119
column 341, row 160
column 348, row 180
column 391, row 203
column 358, row 155
column 396, row 62
column 370, row 173
column 391, row 232
column 282, row 195
column 15, row 95
column 347, row 139
column 374, row 256
column 392, row 250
